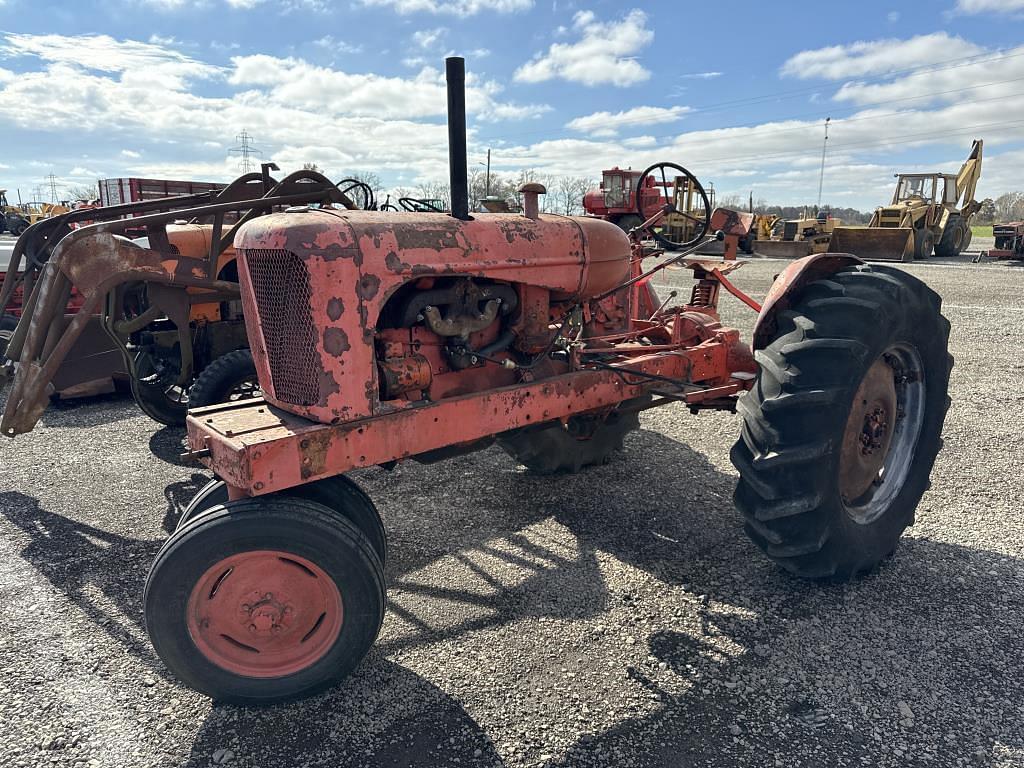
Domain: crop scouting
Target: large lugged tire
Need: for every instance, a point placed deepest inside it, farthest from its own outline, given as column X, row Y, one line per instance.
column 953, row 236
column 583, row 441
column 262, row 600
column 230, row 377
column 842, row 428
column 340, row 494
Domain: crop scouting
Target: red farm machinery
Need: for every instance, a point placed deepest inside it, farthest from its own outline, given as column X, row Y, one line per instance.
column 1009, row 243
column 380, row 337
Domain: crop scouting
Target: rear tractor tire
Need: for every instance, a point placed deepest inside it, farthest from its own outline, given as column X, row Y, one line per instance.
column 263, row 600
column 229, row 378
column 582, row 441
column 842, row 427
column 952, row 242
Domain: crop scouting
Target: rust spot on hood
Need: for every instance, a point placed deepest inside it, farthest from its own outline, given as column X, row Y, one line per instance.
column 367, row 287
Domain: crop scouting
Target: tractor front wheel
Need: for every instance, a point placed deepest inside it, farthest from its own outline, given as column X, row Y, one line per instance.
column 261, row 600
column 570, row 446
column 842, row 428
column 340, row 494
column 924, row 243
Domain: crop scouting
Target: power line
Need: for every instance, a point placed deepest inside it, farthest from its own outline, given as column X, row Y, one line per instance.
column 776, row 95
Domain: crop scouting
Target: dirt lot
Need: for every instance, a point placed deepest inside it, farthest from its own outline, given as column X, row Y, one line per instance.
column 617, row 618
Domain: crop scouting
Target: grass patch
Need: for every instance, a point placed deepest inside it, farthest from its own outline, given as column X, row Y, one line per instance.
column 981, row 230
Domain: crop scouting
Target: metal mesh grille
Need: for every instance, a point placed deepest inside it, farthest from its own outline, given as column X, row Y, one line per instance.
column 280, row 285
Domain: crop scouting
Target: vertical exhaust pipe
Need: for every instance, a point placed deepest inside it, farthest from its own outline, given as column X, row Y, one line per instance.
column 455, row 74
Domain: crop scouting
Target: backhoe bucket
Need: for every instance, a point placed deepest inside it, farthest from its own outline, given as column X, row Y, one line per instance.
column 874, row 243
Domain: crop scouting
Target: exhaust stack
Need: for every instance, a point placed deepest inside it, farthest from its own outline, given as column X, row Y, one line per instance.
column 455, row 74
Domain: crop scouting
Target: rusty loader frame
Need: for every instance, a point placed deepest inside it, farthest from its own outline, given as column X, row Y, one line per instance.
column 105, row 279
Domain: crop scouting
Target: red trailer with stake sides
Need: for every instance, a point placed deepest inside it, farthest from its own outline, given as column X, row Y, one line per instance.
column 381, row 337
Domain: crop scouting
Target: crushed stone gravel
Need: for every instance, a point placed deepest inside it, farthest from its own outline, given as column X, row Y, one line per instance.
column 619, row 617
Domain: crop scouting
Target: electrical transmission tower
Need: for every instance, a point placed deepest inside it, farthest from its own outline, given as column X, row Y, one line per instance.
column 245, row 150
column 52, row 181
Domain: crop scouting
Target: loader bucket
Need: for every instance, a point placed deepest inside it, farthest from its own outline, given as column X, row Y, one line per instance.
column 783, row 249
column 874, row 243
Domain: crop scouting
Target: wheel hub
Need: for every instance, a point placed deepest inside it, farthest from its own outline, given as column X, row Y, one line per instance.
column 882, row 429
column 264, row 613
column 869, row 430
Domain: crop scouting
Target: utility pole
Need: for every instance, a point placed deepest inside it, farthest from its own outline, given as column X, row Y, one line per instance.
column 244, row 150
column 824, row 146
column 487, row 181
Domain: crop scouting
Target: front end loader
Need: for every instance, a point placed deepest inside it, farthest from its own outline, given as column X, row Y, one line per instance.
column 929, row 213
column 383, row 337
column 158, row 310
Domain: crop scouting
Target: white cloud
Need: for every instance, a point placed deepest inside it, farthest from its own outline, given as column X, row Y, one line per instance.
column 604, row 53
column 453, row 7
column 989, row 6
column 878, row 57
column 331, row 43
column 893, row 16
column 700, row 75
column 427, row 38
column 137, row 62
column 609, row 123
column 130, row 154
column 298, row 84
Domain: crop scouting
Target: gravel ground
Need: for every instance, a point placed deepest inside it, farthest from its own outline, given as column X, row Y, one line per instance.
column 616, row 618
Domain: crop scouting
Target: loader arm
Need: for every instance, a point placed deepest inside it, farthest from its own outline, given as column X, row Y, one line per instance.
column 97, row 259
column 967, row 181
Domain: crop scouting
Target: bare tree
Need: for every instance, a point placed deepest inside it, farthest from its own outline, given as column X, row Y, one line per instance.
column 435, row 190
column 82, row 192
column 370, row 179
column 1009, row 207
column 567, row 194
column 312, row 167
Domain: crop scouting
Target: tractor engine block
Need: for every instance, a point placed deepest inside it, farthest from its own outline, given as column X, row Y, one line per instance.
column 354, row 313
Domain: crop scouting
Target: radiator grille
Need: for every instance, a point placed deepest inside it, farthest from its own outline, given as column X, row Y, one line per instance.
column 280, row 285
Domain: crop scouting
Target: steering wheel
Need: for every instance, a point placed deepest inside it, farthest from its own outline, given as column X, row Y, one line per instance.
column 662, row 196
column 417, row 205
column 388, row 205
column 363, row 197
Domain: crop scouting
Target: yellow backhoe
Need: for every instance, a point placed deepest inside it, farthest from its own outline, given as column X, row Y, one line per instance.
column 929, row 212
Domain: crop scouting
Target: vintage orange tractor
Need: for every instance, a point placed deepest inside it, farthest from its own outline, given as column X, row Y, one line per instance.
column 380, row 337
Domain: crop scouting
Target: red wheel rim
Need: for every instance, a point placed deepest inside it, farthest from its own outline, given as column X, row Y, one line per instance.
column 264, row 613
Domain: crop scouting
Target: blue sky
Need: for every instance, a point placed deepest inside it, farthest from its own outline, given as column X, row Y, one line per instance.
column 735, row 91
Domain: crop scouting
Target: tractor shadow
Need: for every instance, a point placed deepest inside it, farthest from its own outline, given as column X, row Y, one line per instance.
column 384, row 715
column 168, row 443
column 79, row 560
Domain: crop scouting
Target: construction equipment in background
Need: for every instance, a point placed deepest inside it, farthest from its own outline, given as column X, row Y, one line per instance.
column 627, row 198
column 929, row 212
column 12, row 218
column 684, row 223
column 795, row 238
column 616, row 199
column 1009, row 243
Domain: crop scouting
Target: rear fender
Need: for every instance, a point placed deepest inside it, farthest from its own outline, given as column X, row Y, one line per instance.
column 787, row 287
